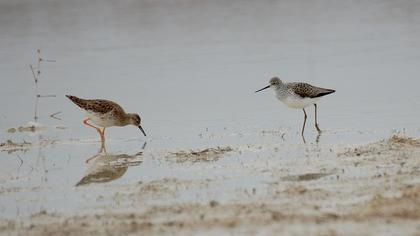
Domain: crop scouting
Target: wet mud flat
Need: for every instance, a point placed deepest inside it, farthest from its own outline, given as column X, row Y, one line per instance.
column 372, row 189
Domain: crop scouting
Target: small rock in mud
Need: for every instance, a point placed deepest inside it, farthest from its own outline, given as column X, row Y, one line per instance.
column 213, row 203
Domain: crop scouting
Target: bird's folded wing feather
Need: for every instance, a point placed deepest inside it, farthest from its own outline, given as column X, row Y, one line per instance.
column 103, row 106
column 98, row 105
column 305, row 90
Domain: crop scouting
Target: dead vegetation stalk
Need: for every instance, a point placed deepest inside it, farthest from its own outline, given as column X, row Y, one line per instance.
column 36, row 73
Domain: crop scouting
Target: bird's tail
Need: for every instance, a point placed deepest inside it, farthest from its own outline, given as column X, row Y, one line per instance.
column 78, row 101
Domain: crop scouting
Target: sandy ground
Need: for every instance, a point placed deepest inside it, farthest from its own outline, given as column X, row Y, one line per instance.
column 381, row 196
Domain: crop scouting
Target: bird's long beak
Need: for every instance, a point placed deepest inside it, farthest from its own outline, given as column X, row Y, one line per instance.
column 263, row 88
column 142, row 130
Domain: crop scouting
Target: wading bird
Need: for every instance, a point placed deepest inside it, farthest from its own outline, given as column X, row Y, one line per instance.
column 105, row 113
column 298, row 95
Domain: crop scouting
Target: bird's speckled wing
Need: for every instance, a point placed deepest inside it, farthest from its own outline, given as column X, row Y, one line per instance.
column 305, row 90
column 96, row 105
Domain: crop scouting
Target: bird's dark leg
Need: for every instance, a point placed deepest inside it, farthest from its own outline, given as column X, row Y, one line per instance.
column 304, row 123
column 316, row 119
column 318, row 137
column 304, row 120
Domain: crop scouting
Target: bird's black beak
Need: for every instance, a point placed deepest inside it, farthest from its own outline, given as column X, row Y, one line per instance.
column 142, row 130
column 263, row 88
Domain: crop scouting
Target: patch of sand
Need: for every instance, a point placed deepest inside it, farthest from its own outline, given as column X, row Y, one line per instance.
column 394, row 143
column 205, row 155
column 10, row 146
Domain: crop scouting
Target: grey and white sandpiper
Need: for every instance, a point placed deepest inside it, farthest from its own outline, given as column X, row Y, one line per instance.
column 298, row 95
column 105, row 113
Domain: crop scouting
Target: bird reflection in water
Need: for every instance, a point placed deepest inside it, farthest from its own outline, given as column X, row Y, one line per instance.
column 105, row 167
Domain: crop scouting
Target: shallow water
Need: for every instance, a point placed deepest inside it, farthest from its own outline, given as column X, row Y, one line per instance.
column 190, row 69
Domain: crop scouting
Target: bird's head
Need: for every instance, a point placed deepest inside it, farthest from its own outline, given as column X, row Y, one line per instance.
column 136, row 121
column 275, row 82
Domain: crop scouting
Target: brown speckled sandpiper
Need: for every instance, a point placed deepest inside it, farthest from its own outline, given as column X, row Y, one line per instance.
column 298, row 95
column 105, row 113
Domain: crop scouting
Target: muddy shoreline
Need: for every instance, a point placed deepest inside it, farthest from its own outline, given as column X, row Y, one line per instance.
column 383, row 197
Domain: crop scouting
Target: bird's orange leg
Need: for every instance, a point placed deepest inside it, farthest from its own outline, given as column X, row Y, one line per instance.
column 103, row 135
column 101, row 152
column 92, row 157
column 85, row 121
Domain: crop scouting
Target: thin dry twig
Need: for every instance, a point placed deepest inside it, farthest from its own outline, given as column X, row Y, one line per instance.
column 53, row 115
column 39, row 62
column 36, row 74
column 33, row 73
column 46, row 96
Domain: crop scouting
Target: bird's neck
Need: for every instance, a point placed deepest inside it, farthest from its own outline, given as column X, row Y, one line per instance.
column 280, row 87
column 281, row 91
column 128, row 118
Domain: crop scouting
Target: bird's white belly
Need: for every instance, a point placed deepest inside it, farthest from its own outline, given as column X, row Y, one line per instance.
column 298, row 102
column 101, row 120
